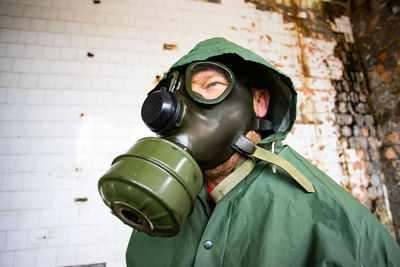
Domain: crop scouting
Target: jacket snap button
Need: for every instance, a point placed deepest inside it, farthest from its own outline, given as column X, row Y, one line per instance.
column 207, row 244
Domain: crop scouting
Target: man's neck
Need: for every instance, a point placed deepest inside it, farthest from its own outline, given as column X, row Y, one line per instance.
column 214, row 176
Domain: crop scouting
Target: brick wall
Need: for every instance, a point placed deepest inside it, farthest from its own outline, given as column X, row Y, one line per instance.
column 379, row 39
column 73, row 78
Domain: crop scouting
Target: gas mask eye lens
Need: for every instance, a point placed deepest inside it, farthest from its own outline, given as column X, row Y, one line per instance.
column 208, row 82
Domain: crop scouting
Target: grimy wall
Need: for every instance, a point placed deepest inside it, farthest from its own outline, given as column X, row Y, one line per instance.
column 378, row 40
column 74, row 75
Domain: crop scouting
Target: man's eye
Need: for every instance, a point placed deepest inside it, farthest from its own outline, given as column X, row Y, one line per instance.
column 209, row 83
column 214, row 84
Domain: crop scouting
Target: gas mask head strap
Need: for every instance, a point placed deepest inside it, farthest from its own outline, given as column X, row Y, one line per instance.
column 263, row 125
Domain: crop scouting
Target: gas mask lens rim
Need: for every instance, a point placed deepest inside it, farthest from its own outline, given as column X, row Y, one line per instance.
column 224, row 77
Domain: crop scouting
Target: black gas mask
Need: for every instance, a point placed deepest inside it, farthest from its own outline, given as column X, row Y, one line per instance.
column 201, row 109
column 196, row 112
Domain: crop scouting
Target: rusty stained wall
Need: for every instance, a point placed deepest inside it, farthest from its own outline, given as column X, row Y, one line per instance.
column 376, row 26
column 335, row 128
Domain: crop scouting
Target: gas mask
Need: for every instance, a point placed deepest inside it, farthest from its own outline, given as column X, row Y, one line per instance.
column 196, row 112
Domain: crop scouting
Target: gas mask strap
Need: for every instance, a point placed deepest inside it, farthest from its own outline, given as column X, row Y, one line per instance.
column 263, row 125
column 268, row 156
column 233, row 179
column 245, row 146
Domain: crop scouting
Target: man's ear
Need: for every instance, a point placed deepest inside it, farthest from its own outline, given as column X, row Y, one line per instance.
column 260, row 102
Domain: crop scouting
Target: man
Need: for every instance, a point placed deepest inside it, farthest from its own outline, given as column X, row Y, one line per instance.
column 282, row 211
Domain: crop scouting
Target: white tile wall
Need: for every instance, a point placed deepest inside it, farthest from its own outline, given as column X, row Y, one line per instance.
column 7, row 258
column 64, row 116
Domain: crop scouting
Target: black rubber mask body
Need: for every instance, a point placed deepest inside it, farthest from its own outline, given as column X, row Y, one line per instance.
column 205, row 127
column 208, row 130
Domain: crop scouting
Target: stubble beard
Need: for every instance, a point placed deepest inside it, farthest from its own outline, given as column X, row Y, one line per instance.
column 215, row 175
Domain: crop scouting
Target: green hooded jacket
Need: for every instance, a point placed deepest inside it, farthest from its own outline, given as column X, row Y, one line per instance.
column 268, row 219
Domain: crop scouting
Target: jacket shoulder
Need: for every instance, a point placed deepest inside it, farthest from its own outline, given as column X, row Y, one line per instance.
column 374, row 243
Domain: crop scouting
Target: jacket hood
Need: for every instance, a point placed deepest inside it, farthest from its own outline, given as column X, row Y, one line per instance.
column 282, row 106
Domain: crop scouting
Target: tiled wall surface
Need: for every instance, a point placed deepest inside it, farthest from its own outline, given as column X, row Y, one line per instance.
column 73, row 78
